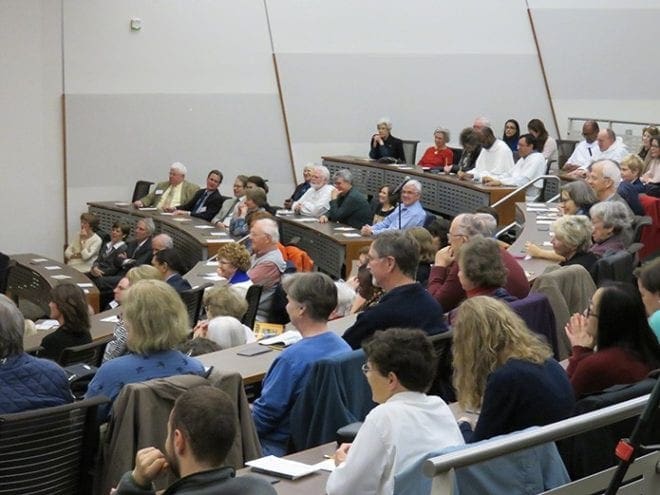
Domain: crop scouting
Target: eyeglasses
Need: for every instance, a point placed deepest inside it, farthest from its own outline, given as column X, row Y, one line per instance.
column 589, row 312
column 365, row 368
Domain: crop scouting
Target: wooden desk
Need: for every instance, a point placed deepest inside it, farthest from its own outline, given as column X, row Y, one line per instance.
column 195, row 239
column 31, row 279
column 536, row 233
column 441, row 193
column 326, row 243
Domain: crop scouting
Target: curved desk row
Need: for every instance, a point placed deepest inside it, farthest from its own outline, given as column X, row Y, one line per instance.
column 441, row 193
column 537, row 218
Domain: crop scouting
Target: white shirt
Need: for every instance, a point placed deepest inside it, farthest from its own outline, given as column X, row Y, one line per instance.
column 526, row 169
column 498, row 160
column 549, row 148
column 616, row 151
column 315, row 202
column 584, row 153
column 395, row 435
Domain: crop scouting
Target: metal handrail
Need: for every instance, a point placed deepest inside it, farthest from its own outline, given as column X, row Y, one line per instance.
column 523, row 440
column 525, row 186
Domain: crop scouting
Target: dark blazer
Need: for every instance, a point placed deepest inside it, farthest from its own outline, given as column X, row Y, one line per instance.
column 110, row 263
column 212, row 203
column 141, row 255
column 179, row 283
column 351, row 209
column 392, row 147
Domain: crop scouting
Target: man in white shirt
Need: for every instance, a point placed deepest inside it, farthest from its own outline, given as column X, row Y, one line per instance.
column 532, row 164
column 316, row 201
column 585, row 151
column 495, row 158
column 611, row 147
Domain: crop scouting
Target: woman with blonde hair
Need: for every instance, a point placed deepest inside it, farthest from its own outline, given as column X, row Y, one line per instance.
column 233, row 264
column 157, row 321
column 506, row 371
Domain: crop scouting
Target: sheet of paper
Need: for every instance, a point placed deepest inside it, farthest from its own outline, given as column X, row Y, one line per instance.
column 85, row 284
column 181, row 219
column 212, row 263
column 326, row 465
column 46, row 324
column 341, row 229
column 306, row 220
column 216, row 241
column 221, row 234
column 148, row 208
column 204, row 227
column 166, row 214
column 283, row 467
column 39, row 260
column 121, row 203
column 53, row 267
column 351, row 234
column 61, row 277
column 213, row 277
column 111, row 319
column 544, row 222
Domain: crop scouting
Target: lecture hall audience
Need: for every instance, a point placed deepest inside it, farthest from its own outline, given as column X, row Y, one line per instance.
column 233, row 265
column 545, row 144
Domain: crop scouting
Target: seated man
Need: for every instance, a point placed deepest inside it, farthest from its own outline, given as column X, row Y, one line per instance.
column 409, row 213
column 407, row 423
column 200, row 433
column 316, row 201
column 230, row 205
column 170, row 194
column 302, row 187
column 393, row 260
column 27, row 382
column 311, row 299
column 160, row 242
column 206, row 203
column 585, row 151
column 494, row 159
column 348, row 205
column 604, row 178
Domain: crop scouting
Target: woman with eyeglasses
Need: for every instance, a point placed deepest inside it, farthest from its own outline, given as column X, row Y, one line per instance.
column 233, row 264
column 406, row 424
column 511, row 134
column 612, row 342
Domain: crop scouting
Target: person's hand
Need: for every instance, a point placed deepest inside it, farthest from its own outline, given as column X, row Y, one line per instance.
column 201, row 329
column 297, row 209
column 447, row 168
column 532, row 249
column 138, row 204
column 242, row 210
column 334, row 193
column 578, row 173
column 220, row 225
column 169, row 209
column 464, row 175
column 96, row 272
column 287, row 204
column 149, row 464
column 490, row 181
column 366, row 230
column 323, row 219
column 444, row 257
column 378, row 141
column 122, row 256
column 180, row 213
column 471, row 420
column 341, row 453
column 577, row 331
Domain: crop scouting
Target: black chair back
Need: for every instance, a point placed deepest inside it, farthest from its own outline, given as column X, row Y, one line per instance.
column 410, row 150
column 638, row 225
column 442, row 383
column 141, row 189
column 616, row 267
column 252, row 297
column 4, row 272
column 90, row 354
column 565, row 149
column 192, row 298
column 50, row 450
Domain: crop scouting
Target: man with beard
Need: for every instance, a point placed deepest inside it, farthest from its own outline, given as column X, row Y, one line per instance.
column 200, row 433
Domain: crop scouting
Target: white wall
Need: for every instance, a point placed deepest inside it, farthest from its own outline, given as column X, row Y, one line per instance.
column 197, row 84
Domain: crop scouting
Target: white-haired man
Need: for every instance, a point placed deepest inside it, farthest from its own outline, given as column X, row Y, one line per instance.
column 171, row 193
column 408, row 214
column 316, row 201
column 604, row 178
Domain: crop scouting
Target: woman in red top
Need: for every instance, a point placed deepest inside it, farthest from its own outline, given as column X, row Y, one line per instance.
column 612, row 342
column 439, row 155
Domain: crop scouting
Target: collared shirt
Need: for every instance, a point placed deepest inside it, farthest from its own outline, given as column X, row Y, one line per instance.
column 171, row 195
column 315, row 202
column 617, row 151
column 494, row 161
column 526, row 169
column 584, row 153
column 411, row 216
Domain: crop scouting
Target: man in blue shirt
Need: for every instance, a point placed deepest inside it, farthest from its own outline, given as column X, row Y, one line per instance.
column 409, row 213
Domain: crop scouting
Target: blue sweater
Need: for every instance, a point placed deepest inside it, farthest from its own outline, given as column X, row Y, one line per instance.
column 134, row 368
column 407, row 306
column 282, row 385
column 521, row 394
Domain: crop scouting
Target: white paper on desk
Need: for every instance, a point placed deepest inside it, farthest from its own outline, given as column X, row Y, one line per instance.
column 343, row 228
column 215, row 241
column 85, row 284
column 326, row 465
column 167, row 213
column 121, row 203
column 544, row 222
column 111, row 319
column 306, row 220
column 182, row 220
column 39, row 260
column 60, row 277
column 541, row 218
column 284, row 212
column 204, row 227
column 53, row 267
column 352, row 234
column 287, row 338
column 213, row 277
column 222, row 234
column 282, row 467
column 47, row 324
column 148, row 208
column 212, row 263
column 539, row 210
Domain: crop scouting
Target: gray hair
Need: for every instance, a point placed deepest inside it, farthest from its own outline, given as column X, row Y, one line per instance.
column 166, row 239
column 270, row 228
column 486, row 223
column 580, row 193
column 444, row 132
column 386, row 121
column 179, row 167
column 574, row 231
column 471, row 225
column 613, row 214
column 148, row 224
column 12, row 326
column 416, row 184
column 401, row 246
column 324, row 171
column 481, row 122
column 343, row 174
column 315, row 291
column 611, row 171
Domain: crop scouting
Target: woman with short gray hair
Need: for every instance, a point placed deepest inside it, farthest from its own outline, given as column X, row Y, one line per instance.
column 384, row 145
column 439, row 155
column 611, row 222
column 572, row 240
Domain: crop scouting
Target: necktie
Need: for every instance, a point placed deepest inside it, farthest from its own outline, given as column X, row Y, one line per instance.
column 200, row 202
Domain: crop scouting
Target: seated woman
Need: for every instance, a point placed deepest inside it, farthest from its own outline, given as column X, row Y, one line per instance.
column 384, row 145
column 647, row 134
column 426, row 253
column 652, row 170
column 224, row 309
column 68, row 306
column 27, row 382
column 511, row 134
column 407, row 423
column 233, row 264
column 481, row 270
column 577, row 198
column 169, row 264
column 255, row 200
column 311, row 299
column 612, row 342
column 611, row 222
column 503, row 369
column 256, row 181
column 385, row 205
column 571, row 242
column 84, row 248
column 117, row 346
column 440, row 155
column 648, row 283
column 157, row 321
column 544, row 143
column 471, row 145
column 112, row 255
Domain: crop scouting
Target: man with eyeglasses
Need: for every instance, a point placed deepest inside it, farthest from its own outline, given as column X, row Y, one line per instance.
column 585, row 151
column 393, row 259
column 168, row 195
